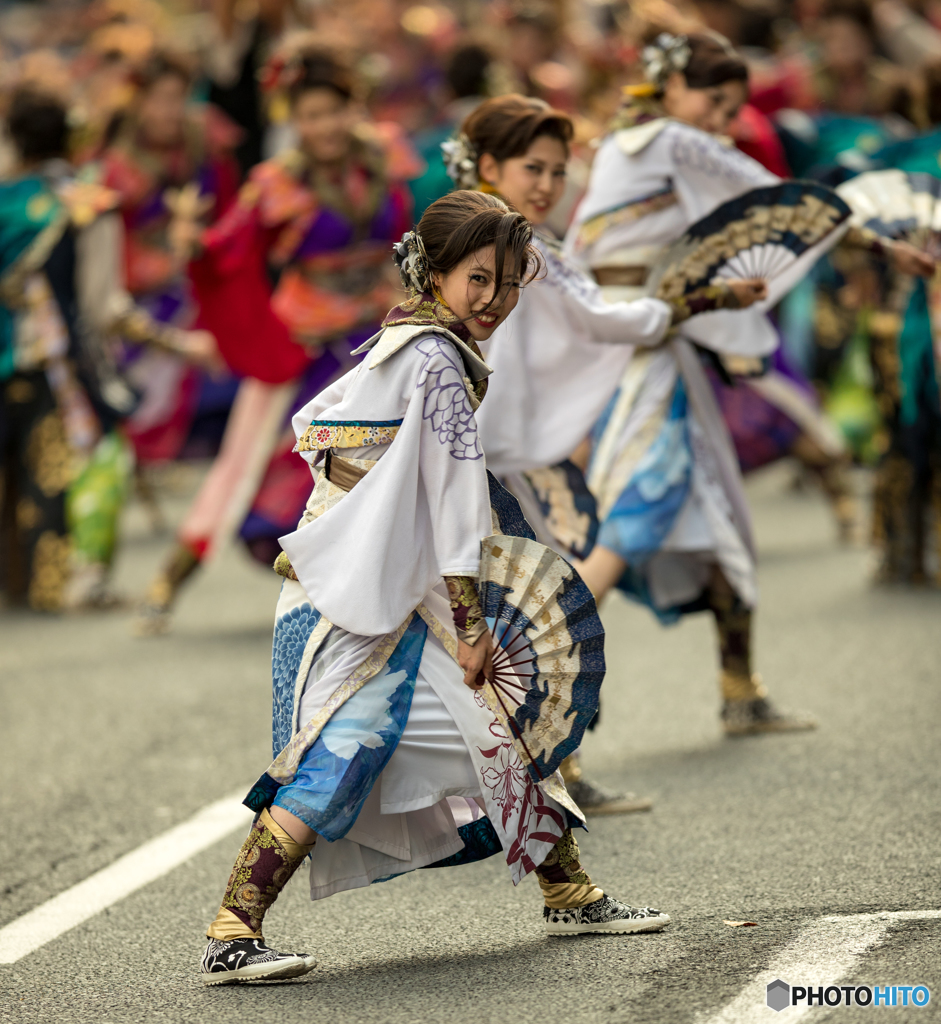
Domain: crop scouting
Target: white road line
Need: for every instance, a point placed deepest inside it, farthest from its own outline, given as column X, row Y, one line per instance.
column 823, row 954
column 126, row 875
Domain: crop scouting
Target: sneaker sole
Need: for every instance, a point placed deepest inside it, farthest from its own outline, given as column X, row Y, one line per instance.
column 263, row 972
column 628, row 927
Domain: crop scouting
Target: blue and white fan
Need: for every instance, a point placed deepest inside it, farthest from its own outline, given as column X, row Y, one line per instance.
column 549, row 643
column 776, row 233
column 897, row 204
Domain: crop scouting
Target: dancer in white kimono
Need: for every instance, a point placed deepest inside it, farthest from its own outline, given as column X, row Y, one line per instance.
column 387, row 758
column 558, row 361
column 675, row 531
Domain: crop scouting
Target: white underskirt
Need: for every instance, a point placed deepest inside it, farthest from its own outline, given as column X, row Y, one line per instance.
column 428, row 788
column 431, row 761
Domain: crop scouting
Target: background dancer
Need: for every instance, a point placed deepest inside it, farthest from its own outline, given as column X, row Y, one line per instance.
column 319, row 220
column 675, row 531
column 558, row 361
column 63, row 399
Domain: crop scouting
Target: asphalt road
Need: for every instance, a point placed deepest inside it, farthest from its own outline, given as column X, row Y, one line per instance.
column 106, row 741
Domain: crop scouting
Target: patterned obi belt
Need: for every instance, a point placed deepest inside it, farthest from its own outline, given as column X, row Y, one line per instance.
column 328, row 295
column 627, row 213
column 340, row 475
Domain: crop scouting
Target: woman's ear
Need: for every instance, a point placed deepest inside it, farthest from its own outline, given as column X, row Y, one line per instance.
column 489, row 169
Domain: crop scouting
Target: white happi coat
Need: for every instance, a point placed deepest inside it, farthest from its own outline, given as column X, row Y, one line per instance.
column 366, row 560
column 649, row 183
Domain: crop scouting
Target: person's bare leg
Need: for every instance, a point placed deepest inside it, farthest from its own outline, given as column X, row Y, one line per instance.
column 582, row 455
column 601, row 570
column 293, row 825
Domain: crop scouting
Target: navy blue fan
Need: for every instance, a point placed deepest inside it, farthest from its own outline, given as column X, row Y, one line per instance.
column 897, row 204
column 775, row 233
column 549, row 644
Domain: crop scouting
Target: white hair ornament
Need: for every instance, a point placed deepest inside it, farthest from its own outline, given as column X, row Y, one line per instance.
column 665, row 56
column 460, row 161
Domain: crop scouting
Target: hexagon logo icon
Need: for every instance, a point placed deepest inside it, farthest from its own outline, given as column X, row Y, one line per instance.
column 778, row 995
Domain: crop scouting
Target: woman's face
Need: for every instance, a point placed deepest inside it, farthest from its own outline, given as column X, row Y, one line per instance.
column 468, row 290
column 534, row 182
column 324, row 122
column 162, row 111
column 712, row 109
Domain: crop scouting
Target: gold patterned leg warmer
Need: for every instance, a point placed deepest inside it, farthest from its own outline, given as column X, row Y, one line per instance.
column 733, row 626
column 181, row 564
column 268, row 858
column 564, row 882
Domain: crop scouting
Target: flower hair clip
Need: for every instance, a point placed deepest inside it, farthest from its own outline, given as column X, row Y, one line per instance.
column 410, row 257
column 460, row 161
column 665, row 56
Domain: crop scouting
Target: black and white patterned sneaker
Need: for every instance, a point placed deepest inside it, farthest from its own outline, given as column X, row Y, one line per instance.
column 607, row 916
column 250, row 960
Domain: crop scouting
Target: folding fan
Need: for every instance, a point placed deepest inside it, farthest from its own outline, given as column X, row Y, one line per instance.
column 775, row 233
column 897, row 204
column 549, row 643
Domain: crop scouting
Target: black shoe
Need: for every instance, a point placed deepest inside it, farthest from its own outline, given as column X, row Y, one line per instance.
column 750, row 717
column 250, row 960
column 594, row 799
column 607, row 916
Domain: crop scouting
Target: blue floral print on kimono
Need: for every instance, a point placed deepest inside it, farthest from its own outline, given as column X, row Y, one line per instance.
column 643, row 515
column 339, row 770
column 292, row 630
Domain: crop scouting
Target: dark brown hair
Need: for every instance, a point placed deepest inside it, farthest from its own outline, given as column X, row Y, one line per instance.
column 461, row 223
column 162, row 64
column 322, row 69
column 857, row 11
column 506, row 126
column 38, row 125
column 712, row 62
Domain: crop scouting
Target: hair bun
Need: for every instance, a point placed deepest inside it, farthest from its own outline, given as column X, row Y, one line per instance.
column 410, row 257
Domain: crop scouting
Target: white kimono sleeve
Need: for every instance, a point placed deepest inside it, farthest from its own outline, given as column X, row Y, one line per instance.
column 643, row 322
column 420, row 513
column 706, row 172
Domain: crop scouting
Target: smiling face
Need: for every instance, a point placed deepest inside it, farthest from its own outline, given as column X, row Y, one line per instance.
column 324, row 122
column 469, row 291
column 533, row 182
column 712, row 109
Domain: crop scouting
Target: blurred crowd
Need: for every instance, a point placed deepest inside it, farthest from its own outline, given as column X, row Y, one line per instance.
column 170, row 108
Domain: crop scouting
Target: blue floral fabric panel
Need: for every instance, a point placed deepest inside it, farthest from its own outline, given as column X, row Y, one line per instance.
column 341, row 767
column 645, row 511
column 292, row 630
